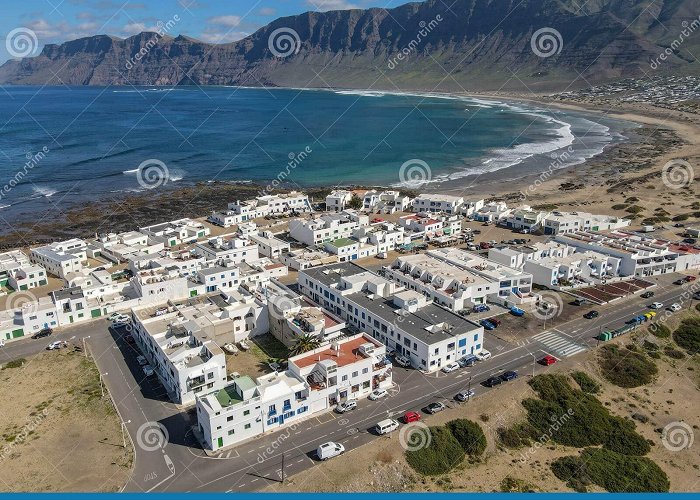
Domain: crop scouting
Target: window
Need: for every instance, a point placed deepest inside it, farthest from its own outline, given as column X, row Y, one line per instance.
column 345, row 378
column 246, row 426
column 229, row 418
column 365, row 370
column 354, row 374
column 230, row 433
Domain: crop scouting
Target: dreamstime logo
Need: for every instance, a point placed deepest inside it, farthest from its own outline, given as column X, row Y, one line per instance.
column 415, row 436
column 559, row 160
column 26, row 431
column 26, row 301
column 546, row 42
column 275, row 445
column 677, row 174
column 162, row 29
column 686, row 32
column 152, row 436
column 415, row 173
column 677, row 436
column 550, row 305
column 280, row 305
column 21, row 42
column 295, row 159
column 284, row 42
column 152, row 173
column 424, row 30
column 33, row 160
column 557, row 423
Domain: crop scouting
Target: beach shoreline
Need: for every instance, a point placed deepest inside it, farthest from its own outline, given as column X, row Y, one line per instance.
column 663, row 136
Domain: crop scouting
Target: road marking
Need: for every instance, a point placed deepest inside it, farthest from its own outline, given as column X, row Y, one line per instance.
column 561, row 346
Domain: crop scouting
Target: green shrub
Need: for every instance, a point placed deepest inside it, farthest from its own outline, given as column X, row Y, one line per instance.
column 660, row 330
column 687, row 335
column 586, row 383
column 623, row 438
column 619, row 473
column 469, row 435
column 697, row 307
column 517, row 436
column 635, row 209
column 514, row 485
column 442, row 454
column 632, row 199
column 674, row 353
column 15, row 363
column 571, row 470
column 626, row 368
column 619, row 206
column 680, row 217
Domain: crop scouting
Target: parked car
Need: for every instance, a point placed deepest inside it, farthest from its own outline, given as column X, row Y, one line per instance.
column 141, row 360
column 657, row 305
column 329, row 450
column 435, row 407
column 148, row 370
column 679, row 282
column 493, row 381
column 688, row 279
column 509, row 375
column 465, row 395
column 690, row 241
column 579, row 302
column 120, row 324
column 495, row 322
column 44, row 332
column 230, row 348
column 483, row 354
column 516, row 311
column 591, row 315
column 402, row 361
column 486, row 324
column 56, row 345
column 674, row 307
column 345, row 406
column 479, row 308
column 120, row 318
column 386, row 426
column 468, row 360
column 450, row 367
column 378, row 394
column 2, row 342
column 411, row 416
column 647, row 295
column 464, row 312
column 696, row 296
column 548, row 360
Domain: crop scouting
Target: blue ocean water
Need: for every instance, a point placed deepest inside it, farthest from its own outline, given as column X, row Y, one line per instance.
column 94, row 139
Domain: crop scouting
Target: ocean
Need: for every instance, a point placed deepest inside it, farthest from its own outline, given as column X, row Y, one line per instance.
column 64, row 146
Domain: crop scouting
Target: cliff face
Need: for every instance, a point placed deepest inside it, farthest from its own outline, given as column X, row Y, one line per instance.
column 470, row 45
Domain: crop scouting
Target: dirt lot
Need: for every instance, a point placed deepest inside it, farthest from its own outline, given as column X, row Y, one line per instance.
column 58, row 434
column 380, row 465
column 254, row 362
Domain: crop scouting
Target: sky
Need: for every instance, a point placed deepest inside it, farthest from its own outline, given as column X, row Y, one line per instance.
column 40, row 22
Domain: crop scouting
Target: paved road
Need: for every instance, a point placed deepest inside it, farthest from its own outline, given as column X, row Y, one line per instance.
column 176, row 463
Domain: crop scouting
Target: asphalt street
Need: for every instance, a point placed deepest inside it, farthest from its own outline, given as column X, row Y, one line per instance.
column 168, row 458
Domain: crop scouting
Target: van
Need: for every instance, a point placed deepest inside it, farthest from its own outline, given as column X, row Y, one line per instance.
column 329, row 450
column 387, row 426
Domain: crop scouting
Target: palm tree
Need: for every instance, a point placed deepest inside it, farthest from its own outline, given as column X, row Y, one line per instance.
column 304, row 344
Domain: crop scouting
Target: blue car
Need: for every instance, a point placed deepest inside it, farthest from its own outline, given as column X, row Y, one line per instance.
column 486, row 324
column 481, row 308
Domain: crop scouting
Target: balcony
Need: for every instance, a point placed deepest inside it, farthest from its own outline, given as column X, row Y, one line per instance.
column 195, row 382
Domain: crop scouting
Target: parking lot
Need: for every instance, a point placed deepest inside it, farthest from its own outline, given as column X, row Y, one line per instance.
column 603, row 294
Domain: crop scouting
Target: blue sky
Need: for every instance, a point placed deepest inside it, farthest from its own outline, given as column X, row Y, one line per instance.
column 217, row 21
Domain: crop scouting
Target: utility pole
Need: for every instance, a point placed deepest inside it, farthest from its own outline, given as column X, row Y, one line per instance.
column 282, row 467
column 534, row 360
column 85, row 345
column 124, row 435
column 469, row 390
column 102, row 387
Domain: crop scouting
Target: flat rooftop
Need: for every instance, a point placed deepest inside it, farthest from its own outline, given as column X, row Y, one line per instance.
column 348, row 353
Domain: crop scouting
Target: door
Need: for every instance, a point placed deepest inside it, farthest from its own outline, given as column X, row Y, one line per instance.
column 281, row 419
column 220, row 442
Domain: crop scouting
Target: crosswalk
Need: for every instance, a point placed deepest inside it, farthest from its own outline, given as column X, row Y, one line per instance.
column 558, row 345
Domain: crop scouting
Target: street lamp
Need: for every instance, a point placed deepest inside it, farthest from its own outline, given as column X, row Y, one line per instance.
column 534, row 361
column 469, row 389
column 123, row 435
column 85, row 345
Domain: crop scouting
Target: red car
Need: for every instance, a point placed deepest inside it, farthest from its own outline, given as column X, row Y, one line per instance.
column 690, row 278
column 377, row 220
column 548, row 360
column 411, row 416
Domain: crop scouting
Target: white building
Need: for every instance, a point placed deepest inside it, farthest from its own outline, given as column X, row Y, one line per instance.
column 305, row 258
column 438, row 203
column 228, row 248
column 17, row 271
column 314, row 382
column 459, row 280
column 428, row 226
column 577, row 268
column 524, row 218
column 125, row 246
column 269, row 245
column 470, row 206
column 492, row 212
column 176, row 232
column 263, row 206
column 338, row 199
column 160, row 284
column 403, row 320
column 323, row 229
column 569, row 222
column 385, row 202
column 62, row 257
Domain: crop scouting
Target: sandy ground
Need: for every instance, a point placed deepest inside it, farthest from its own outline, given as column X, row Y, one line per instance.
column 58, row 434
column 380, row 465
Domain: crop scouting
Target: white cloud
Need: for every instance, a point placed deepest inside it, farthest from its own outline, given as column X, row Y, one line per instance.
column 211, row 35
column 267, row 11
column 324, row 5
column 228, row 21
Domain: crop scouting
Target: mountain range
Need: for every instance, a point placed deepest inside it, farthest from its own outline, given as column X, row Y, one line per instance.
column 439, row 45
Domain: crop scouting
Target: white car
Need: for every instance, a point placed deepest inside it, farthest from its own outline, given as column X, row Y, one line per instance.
column 120, row 318
column 450, row 367
column 378, row 394
column 657, row 305
column 482, row 355
column 345, row 406
column 329, row 450
column 148, row 370
column 402, row 361
column 675, row 307
column 56, row 345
